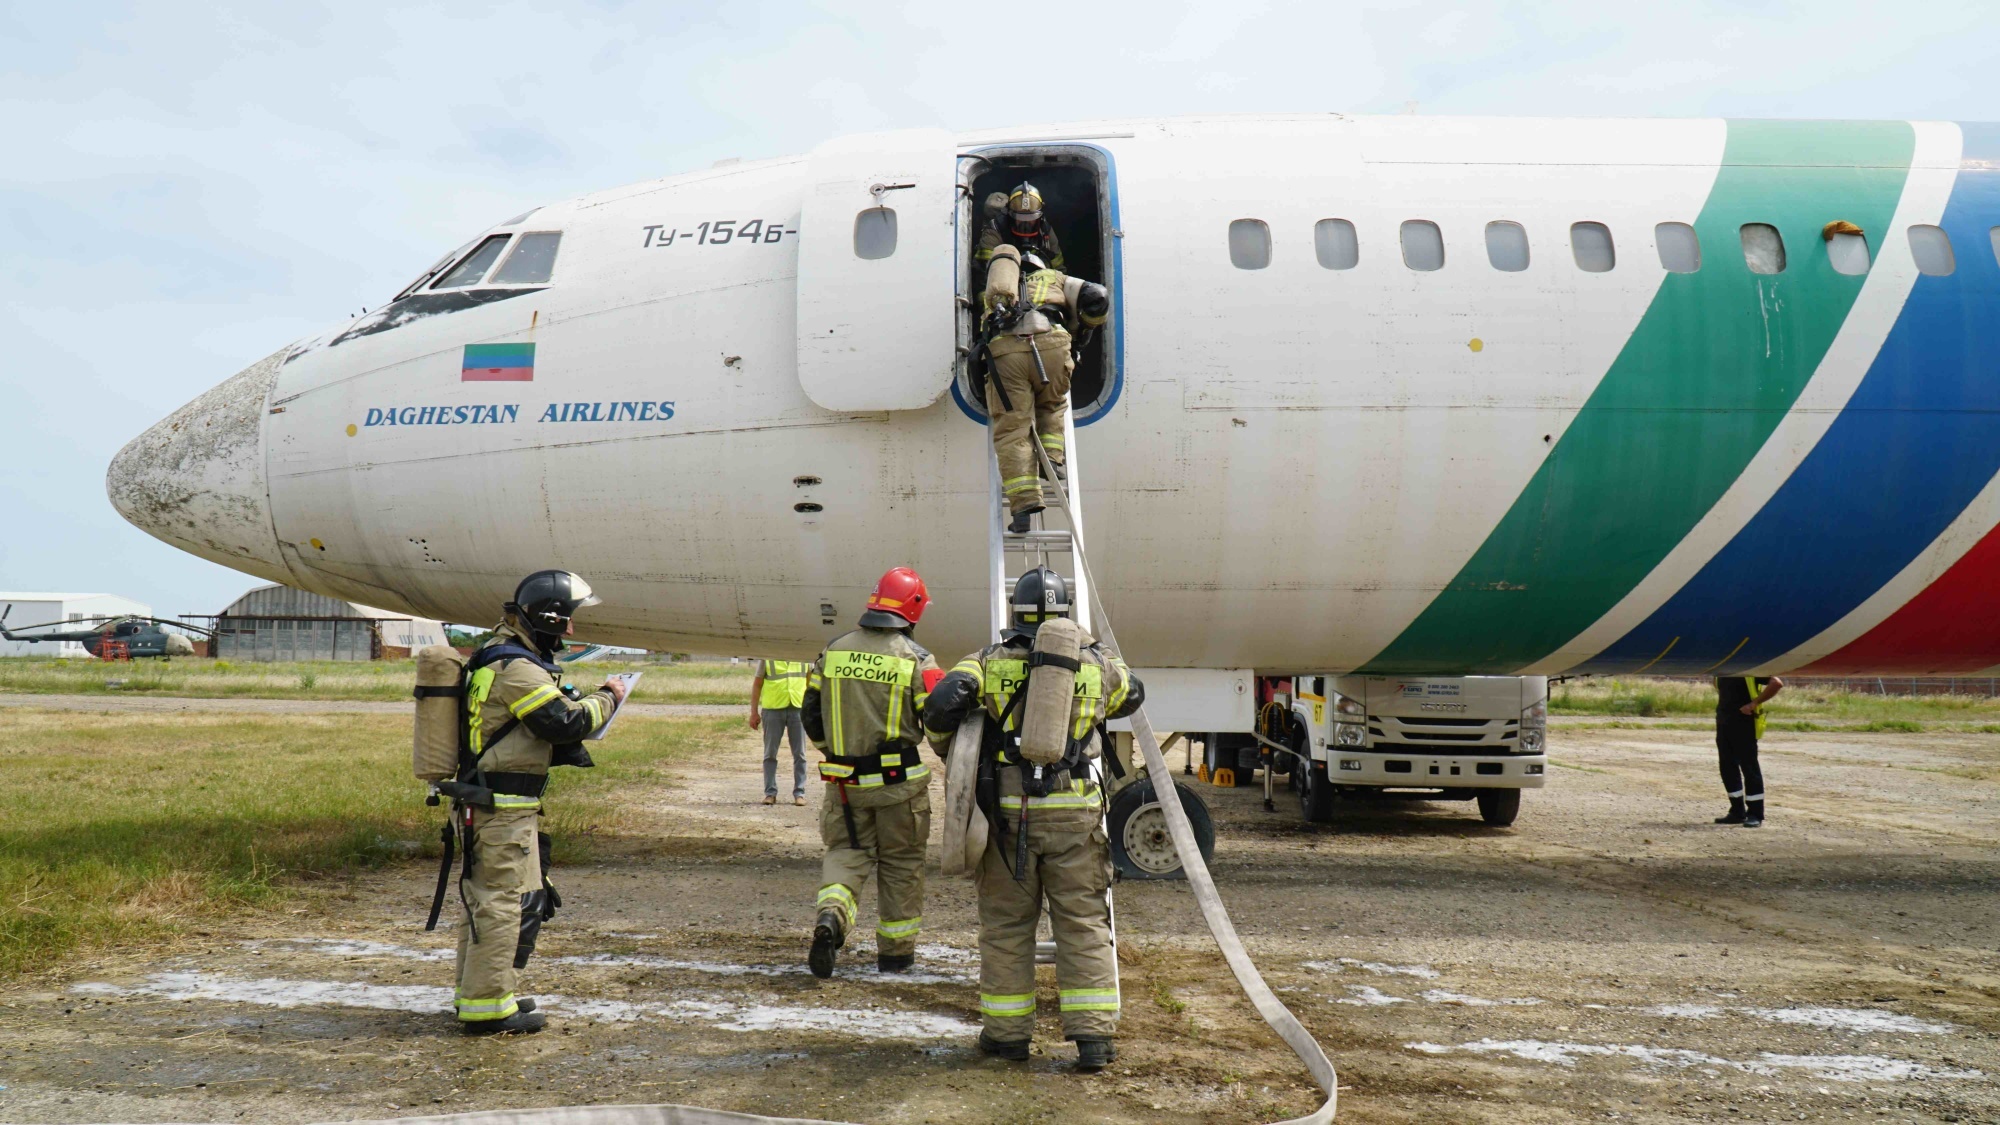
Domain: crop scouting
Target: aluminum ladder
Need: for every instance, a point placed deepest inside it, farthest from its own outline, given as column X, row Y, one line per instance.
column 1050, row 541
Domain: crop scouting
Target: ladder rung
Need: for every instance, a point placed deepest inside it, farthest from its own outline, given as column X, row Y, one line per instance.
column 1036, row 538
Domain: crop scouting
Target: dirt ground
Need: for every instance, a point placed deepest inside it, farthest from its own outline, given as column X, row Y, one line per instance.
column 1611, row 957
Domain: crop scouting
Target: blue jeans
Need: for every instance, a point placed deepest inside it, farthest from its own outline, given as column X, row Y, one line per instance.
column 779, row 721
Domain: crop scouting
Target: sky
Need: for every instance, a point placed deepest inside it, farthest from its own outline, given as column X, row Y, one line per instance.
column 186, row 188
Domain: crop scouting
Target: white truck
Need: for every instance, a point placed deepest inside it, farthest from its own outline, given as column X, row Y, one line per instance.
column 1438, row 738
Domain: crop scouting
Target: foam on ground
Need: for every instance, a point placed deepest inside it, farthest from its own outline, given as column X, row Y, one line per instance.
column 727, row 1015
column 1833, row 1068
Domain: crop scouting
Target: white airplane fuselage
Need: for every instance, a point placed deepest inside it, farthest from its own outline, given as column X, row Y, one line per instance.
column 1306, row 465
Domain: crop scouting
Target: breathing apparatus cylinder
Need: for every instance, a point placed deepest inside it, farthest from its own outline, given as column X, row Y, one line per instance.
column 1003, row 276
column 440, row 713
column 1051, row 690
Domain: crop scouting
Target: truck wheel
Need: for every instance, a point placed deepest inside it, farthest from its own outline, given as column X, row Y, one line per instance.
column 1315, row 792
column 1141, row 847
column 1499, row 807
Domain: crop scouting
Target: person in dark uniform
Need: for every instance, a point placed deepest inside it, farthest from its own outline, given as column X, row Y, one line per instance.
column 1739, row 723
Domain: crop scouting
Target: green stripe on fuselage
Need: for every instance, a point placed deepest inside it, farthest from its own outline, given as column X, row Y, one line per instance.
column 1711, row 369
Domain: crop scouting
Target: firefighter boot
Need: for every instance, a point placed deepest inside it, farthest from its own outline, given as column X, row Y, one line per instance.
column 894, row 962
column 1094, row 1054
column 828, row 936
column 1753, row 816
column 1013, row 1050
column 522, row 1022
column 1735, row 813
column 1019, row 524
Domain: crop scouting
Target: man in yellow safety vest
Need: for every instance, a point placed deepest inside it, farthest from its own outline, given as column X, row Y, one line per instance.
column 776, row 693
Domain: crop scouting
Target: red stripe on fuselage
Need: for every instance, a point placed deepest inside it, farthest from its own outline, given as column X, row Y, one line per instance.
column 1952, row 626
column 497, row 375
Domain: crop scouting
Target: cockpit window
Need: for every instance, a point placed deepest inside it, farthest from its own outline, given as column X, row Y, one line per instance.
column 533, row 260
column 438, row 266
column 474, row 267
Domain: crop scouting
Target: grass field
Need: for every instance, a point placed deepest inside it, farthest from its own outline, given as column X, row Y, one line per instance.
column 124, row 828
column 340, row 680
column 1802, row 707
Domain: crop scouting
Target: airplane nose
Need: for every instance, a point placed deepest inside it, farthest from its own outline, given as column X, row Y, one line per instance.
column 196, row 479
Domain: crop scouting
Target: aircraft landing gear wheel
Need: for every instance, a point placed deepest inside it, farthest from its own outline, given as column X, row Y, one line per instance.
column 1499, row 807
column 1315, row 792
column 1141, row 847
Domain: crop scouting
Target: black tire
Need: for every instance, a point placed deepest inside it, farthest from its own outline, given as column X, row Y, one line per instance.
column 1499, row 807
column 1140, row 845
column 1227, row 752
column 1315, row 792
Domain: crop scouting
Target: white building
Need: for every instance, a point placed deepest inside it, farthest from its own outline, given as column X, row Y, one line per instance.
column 280, row 623
column 38, row 609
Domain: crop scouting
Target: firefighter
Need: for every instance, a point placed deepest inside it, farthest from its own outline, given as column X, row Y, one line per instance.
column 863, row 709
column 1029, row 307
column 520, row 721
column 1015, row 219
column 1067, row 857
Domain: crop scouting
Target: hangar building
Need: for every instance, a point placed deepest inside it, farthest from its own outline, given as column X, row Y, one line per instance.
column 280, row 623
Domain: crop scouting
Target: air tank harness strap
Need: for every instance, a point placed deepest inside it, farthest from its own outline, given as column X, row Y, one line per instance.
column 447, row 838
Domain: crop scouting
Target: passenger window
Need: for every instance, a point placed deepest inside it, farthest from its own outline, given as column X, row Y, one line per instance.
column 1931, row 247
column 1507, row 246
column 1680, row 247
column 1763, row 248
column 1846, row 247
column 533, row 260
column 1337, row 248
column 875, row 233
column 1423, row 245
column 1590, row 245
column 475, row 265
column 1249, row 244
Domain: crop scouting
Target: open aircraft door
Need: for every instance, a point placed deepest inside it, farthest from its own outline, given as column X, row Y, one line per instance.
column 877, row 320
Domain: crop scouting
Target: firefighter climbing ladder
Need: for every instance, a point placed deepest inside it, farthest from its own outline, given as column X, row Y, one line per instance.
column 1010, row 556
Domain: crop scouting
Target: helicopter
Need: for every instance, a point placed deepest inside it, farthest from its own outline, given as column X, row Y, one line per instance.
column 116, row 637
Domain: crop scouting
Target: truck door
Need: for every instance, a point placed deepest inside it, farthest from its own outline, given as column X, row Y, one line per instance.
column 877, row 283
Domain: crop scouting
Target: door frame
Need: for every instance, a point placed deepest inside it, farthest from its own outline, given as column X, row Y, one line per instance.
column 1111, row 235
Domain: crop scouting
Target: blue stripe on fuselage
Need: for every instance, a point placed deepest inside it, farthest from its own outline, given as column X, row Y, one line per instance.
column 1916, row 442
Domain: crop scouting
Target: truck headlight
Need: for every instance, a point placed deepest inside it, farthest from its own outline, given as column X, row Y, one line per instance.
column 1348, row 706
column 1534, row 727
column 1348, row 735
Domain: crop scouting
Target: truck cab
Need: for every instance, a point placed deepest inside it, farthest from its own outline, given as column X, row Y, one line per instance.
column 1440, row 738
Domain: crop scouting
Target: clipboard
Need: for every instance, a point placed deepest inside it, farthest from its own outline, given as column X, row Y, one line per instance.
column 630, row 680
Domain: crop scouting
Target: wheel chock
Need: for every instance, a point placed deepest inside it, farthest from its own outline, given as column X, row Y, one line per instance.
column 1201, row 772
column 1224, row 778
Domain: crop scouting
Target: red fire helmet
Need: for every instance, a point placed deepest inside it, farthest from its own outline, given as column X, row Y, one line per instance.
column 899, row 594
